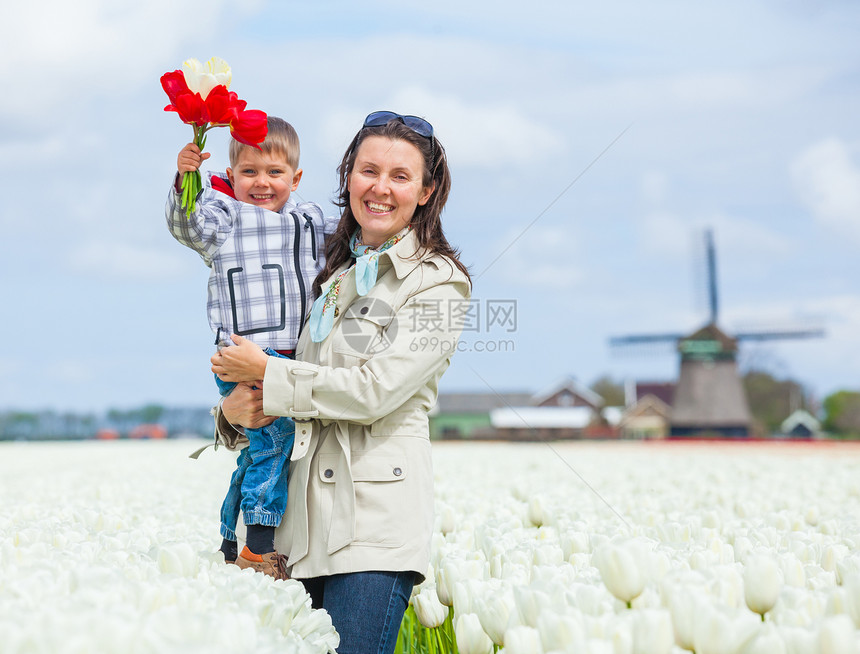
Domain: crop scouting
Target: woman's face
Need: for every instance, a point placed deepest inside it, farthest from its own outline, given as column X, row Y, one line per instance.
column 385, row 186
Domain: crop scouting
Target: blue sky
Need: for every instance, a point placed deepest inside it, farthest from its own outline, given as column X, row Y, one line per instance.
column 741, row 117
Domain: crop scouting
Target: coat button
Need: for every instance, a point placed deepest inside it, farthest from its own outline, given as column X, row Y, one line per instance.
column 329, row 473
column 336, row 312
column 397, row 472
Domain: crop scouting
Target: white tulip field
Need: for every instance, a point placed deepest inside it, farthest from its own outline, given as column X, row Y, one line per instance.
column 582, row 548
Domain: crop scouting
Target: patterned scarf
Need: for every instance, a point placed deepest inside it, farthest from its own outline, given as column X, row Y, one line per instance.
column 366, row 269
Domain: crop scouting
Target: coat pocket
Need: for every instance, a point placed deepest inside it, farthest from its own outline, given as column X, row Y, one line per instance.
column 367, row 328
column 379, row 483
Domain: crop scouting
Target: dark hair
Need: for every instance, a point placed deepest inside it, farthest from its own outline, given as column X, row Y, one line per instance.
column 426, row 221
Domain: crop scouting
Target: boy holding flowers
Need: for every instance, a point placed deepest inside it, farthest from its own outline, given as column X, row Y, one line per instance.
column 264, row 251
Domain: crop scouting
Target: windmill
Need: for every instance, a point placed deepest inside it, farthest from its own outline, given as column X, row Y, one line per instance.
column 709, row 395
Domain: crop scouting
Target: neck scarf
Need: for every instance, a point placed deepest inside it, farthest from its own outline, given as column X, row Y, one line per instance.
column 366, row 270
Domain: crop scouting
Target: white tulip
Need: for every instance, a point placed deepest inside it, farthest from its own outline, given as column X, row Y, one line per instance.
column 451, row 569
column 798, row 640
column 494, row 609
column 522, row 640
column 846, row 567
column 202, row 78
column 178, row 558
column 549, row 555
column 471, row 638
column 465, row 594
column 430, row 611
column 837, row 636
column 652, row 632
column 530, row 603
column 620, row 572
column 447, row 519
column 575, row 542
column 767, row 641
column 792, row 570
column 837, row 602
column 619, row 631
column 762, row 584
column 561, row 633
column 719, row 630
column 600, row 646
column 591, row 600
column 538, row 513
column 852, row 596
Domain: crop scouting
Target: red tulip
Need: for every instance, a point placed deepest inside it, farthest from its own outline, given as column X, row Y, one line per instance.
column 173, row 84
column 250, row 127
column 220, row 106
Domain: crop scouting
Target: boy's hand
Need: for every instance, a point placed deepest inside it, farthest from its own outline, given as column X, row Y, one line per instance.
column 190, row 158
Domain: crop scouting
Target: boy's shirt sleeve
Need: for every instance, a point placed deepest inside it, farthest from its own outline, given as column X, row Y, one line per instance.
column 330, row 225
column 208, row 226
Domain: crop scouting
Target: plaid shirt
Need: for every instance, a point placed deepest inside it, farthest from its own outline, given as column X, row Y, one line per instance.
column 262, row 263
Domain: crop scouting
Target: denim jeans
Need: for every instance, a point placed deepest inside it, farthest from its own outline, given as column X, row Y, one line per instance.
column 258, row 486
column 366, row 608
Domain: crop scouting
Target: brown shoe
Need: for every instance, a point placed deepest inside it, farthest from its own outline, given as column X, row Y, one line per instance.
column 271, row 563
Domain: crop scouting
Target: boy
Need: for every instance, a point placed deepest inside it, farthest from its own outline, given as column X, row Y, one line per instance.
column 264, row 251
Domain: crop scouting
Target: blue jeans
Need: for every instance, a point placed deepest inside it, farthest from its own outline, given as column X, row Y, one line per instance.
column 366, row 608
column 258, row 486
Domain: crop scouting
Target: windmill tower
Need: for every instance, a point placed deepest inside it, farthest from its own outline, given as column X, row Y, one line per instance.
column 709, row 396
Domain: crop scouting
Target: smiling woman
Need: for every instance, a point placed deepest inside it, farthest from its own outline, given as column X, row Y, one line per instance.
column 360, row 509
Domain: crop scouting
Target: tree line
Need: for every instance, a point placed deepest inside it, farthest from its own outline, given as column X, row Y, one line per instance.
column 771, row 401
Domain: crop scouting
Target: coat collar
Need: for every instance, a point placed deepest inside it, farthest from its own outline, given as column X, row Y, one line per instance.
column 403, row 256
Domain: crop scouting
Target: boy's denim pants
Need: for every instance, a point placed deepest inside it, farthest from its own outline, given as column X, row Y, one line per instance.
column 258, row 486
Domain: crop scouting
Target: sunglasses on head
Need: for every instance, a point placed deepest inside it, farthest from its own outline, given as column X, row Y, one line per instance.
column 416, row 124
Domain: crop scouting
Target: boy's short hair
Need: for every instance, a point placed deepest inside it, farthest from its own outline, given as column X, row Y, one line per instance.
column 281, row 139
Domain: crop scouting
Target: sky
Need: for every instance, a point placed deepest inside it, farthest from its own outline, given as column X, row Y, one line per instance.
column 590, row 145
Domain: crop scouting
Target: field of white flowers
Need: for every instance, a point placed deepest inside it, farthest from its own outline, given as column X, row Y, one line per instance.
column 586, row 548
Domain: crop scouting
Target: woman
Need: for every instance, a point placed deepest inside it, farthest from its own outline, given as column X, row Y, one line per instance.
column 389, row 308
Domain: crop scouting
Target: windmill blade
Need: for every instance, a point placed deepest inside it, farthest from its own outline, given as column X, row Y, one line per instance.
column 640, row 345
column 780, row 334
column 643, row 339
column 711, row 254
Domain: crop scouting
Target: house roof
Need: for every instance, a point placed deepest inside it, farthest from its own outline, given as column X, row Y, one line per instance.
column 663, row 391
column 800, row 417
column 574, row 387
column 536, row 417
column 479, row 402
column 647, row 405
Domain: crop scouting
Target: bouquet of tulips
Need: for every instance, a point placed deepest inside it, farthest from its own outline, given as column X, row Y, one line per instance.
column 199, row 94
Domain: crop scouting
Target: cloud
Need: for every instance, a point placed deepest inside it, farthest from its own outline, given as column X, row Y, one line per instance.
column 63, row 50
column 17, row 154
column 542, row 256
column 483, row 134
column 826, row 177
column 117, row 260
column 473, row 133
column 670, row 234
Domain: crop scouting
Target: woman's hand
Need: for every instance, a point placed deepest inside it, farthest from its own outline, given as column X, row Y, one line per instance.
column 243, row 362
column 244, row 406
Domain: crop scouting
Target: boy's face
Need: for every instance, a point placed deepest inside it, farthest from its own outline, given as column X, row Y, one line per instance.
column 264, row 180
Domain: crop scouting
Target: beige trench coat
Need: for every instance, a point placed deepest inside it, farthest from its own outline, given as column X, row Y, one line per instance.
column 361, row 478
